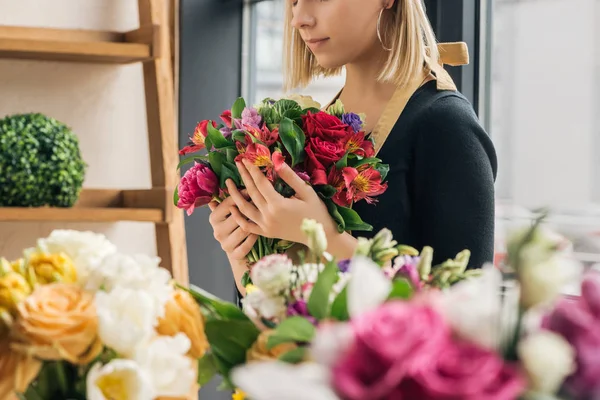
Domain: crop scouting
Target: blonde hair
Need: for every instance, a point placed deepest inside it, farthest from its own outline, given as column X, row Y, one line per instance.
column 410, row 37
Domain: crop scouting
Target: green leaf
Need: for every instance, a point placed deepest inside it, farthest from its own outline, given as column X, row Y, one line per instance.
column 327, row 191
column 208, row 143
column 223, row 309
column 229, row 171
column 358, row 161
column 401, row 289
column 339, row 308
column 343, row 162
column 238, row 107
column 383, row 170
column 231, row 153
column 294, row 356
column 216, row 137
column 238, row 136
column 246, row 280
column 188, row 160
column 207, row 369
column 288, row 109
column 216, row 160
column 318, row 303
column 231, row 339
column 335, row 214
column 293, row 139
column 313, row 110
column 176, row 196
column 293, row 329
column 353, row 220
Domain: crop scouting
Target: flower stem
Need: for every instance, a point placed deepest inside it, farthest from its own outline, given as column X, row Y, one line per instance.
column 511, row 351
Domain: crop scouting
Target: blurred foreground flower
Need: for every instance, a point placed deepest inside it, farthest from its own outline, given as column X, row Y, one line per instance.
column 58, row 322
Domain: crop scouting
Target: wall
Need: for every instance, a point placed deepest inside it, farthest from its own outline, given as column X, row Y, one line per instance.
column 103, row 104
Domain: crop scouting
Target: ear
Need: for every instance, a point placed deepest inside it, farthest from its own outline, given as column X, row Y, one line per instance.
column 387, row 4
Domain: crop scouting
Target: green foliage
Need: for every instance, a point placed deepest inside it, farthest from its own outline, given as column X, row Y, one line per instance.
column 40, row 162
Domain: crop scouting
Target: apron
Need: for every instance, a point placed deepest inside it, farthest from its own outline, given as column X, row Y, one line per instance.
column 454, row 54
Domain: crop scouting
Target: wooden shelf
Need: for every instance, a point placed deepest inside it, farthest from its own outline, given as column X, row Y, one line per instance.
column 77, row 45
column 99, row 205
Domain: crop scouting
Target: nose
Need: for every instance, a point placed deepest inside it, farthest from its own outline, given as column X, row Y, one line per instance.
column 301, row 16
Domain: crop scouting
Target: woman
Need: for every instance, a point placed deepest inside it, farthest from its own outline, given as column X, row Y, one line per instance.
column 442, row 163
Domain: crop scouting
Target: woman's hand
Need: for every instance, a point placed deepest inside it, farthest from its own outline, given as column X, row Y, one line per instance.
column 234, row 239
column 271, row 215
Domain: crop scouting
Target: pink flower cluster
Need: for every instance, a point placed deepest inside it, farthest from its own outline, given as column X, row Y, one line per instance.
column 578, row 321
column 407, row 351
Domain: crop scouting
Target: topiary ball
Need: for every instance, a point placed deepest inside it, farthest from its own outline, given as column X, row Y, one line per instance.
column 40, row 162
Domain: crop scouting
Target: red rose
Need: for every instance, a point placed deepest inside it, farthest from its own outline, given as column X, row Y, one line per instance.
column 325, row 126
column 325, row 152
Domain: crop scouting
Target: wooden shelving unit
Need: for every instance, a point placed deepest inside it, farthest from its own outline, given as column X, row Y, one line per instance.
column 154, row 45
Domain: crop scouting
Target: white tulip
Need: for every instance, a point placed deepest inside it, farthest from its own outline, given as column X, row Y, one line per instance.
column 166, row 363
column 126, row 318
column 368, row 286
column 547, row 359
column 317, row 240
column 118, row 380
column 473, row 306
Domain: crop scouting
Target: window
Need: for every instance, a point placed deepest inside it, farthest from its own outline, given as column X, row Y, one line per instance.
column 264, row 59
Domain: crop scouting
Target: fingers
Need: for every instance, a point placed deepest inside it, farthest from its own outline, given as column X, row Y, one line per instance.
column 245, row 247
column 262, row 183
column 220, row 211
column 253, row 191
column 247, row 208
column 233, row 241
column 244, row 223
column 303, row 191
column 223, row 229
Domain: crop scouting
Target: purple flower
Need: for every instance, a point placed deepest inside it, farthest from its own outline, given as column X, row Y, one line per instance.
column 353, row 120
column 344, row 265
column 407, row 267
column 578, row 321
column 251, row 117
column 300, row 309
column 226, row 131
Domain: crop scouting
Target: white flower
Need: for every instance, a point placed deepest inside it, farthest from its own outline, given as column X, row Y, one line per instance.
column 118, row 380
column 86, row 249
column 330, row 342
column 303, row 101
column 547, row 359
column 278, row 380
column 473, row 307
column 167, row 365
column 368, row 286
column 259, row 303
column 126, row 318
column 542, row 276
column 133, row 272
column 272, row 274
column 317, row 240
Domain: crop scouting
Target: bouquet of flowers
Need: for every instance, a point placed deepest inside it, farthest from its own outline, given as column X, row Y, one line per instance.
column 81, row 321
column 483, row 338
column 328, row 149
column 287, row 303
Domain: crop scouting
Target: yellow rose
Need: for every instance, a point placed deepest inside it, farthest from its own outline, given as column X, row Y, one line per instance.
column 13, row 289
column 259, row 351
column 16, row 371
column 49, row 268
column 182, row 314
column 58, row 322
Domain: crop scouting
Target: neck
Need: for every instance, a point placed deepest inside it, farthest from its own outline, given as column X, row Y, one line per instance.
column 361, row 78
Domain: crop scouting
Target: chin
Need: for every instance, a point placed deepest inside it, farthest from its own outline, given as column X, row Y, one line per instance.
column 329, row 62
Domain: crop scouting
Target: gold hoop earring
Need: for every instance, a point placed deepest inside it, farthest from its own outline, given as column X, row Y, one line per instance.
column 379, row 31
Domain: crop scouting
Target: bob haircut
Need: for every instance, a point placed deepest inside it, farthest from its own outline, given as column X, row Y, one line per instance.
column 407, row 32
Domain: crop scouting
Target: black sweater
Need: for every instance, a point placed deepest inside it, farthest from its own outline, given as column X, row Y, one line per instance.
column 441, row 181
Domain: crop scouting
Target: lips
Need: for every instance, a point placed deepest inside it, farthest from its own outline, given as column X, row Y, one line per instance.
column 316, row 43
